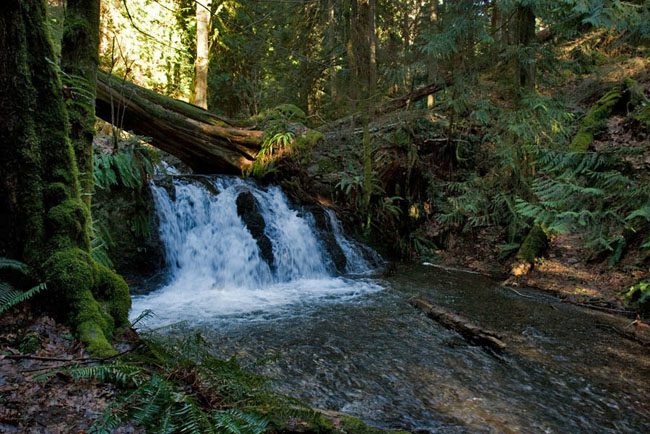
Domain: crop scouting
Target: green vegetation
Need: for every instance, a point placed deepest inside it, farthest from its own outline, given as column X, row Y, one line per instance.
column 176, row 385
column 10, row 296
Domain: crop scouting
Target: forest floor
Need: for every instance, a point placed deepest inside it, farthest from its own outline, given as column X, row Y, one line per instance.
column 31, row 346
column 566, row 271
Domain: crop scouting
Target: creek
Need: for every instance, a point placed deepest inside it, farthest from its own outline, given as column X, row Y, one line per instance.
column 331, row 333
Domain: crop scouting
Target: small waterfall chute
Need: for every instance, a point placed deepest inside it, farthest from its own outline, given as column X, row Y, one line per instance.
column 218, row 262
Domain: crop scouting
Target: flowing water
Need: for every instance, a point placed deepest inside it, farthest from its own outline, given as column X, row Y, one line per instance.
column 354, row 344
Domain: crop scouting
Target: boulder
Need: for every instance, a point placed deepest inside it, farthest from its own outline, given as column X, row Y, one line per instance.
column 248, row 210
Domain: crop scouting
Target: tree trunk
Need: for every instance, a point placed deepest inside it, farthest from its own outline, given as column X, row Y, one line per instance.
column 430, row 60
column 525, row 28
column 79, row 59
column 202, row 140
column 43, row 219
column 202, row 53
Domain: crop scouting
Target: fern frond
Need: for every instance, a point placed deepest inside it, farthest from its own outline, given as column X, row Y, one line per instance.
column 10, row 297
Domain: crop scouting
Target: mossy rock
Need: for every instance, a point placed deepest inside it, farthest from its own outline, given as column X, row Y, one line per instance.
column 638, row 297
column 533, row 246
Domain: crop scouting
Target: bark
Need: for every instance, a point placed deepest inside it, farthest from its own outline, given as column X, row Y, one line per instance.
column 202, row 140
column 525, row 28
column 465, row 328
column 202, row 53
column 79, row 59
column 44, row 220
column 430, row 59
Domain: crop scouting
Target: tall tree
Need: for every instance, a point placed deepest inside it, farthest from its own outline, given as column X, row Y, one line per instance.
column 202, row 53
column 525, row 35
column 79, row 59
column 363, row 48
column 43, row 219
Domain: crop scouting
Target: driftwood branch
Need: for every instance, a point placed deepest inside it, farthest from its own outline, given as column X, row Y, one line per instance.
column 464, row 327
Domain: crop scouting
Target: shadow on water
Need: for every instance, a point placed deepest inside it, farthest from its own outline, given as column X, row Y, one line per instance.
column 378, row 358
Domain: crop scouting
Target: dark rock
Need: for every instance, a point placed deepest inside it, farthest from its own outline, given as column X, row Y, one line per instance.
column 166, row 182
column 327, row 238
column 129, row 217
column 249, row 211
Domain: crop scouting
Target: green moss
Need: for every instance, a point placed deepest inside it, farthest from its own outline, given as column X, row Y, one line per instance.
column 111, row 289
column 309, row 139
column 283, row 112
column 290, row 111
column 54, row 193
column 68, row 223
column 70, row 275
column 582, row 141
column 534, row 245
column 594, row 121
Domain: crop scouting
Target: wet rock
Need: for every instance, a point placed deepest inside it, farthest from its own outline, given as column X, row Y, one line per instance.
column 248, row 210
column 130, row 230
column 166, row 182
column 326, row 235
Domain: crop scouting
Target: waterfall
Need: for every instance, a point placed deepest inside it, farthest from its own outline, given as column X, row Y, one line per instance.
column 233, row 249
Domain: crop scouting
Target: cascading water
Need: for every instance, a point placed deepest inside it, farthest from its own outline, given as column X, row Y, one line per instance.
column 216, row 267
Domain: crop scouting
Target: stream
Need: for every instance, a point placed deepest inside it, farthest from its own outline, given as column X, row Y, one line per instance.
column 350, row 342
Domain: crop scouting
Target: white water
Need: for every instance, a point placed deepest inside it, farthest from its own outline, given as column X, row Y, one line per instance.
column 215, row 268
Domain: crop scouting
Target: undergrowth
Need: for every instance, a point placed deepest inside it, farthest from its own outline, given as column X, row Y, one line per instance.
column 172, row 384
column 12, row 276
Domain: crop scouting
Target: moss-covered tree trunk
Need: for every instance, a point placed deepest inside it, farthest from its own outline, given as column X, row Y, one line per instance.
column 43, row 219
column 79, row 59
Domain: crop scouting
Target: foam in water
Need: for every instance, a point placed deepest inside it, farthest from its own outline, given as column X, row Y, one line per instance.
column 214, row 263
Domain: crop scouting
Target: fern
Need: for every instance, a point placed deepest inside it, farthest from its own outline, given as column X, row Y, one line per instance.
column 130, row 167
column 587, row 193
column 9, row 295
column 170, row 387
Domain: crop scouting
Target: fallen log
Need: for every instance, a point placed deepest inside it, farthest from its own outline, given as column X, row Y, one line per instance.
column 204, row 141
column 389, row 106
column 452, row 321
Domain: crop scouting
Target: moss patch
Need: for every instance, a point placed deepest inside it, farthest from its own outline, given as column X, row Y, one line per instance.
column 534, row 245
column 594, row 121
column 309, row 139
column 70, row 273
column 111, row 289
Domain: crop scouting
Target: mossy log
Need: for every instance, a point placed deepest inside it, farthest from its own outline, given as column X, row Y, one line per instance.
column 204, row 141
column 464, row 327
column 595, row 119
column 390, row 105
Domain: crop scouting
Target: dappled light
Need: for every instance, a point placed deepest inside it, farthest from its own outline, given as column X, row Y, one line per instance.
column 324, row 216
